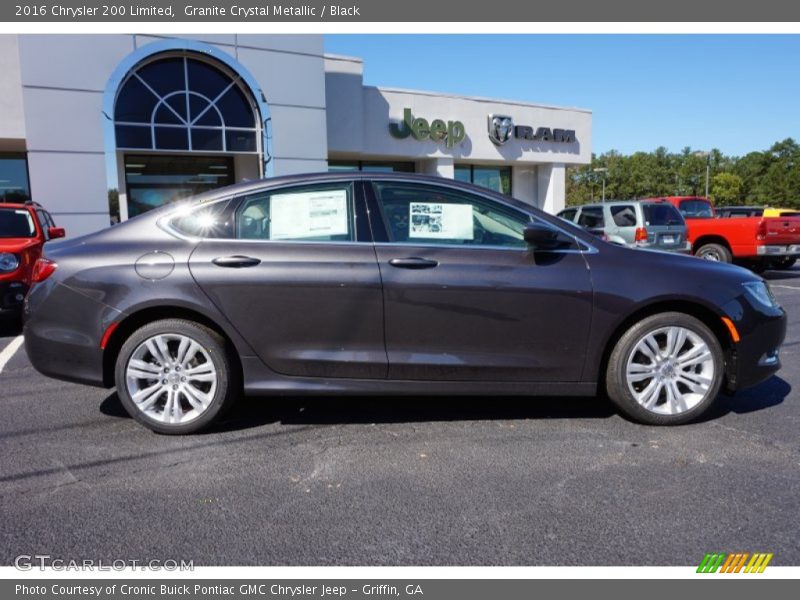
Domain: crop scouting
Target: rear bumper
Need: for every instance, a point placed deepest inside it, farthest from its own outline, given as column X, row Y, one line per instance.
column 778, row 250
column 62, row 333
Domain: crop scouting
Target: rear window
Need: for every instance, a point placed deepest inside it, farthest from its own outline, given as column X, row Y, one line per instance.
column 16, row 223
column 696, row 209
column 661, row 214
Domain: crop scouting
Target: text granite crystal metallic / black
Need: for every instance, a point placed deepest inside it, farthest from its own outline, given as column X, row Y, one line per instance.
column 359, row 283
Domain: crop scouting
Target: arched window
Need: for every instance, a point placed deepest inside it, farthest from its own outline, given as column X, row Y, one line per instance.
column 186, row 103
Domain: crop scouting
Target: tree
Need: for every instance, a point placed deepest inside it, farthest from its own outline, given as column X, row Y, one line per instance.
column 726, row 188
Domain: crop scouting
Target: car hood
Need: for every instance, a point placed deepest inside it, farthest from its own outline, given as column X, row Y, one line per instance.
column 17, row 244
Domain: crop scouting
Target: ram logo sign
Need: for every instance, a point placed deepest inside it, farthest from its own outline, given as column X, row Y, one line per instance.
column 738, row 562
column 502, row 129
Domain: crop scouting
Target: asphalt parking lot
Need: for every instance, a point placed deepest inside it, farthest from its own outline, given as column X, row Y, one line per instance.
column 391, row 481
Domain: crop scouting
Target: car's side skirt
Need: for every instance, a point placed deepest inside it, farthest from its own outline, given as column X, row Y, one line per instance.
column 261, row 381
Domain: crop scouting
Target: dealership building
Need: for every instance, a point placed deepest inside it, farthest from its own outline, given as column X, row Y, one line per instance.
column 158, row 118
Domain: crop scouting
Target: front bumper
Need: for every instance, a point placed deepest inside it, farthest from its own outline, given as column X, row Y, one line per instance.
column 757, row 355
column 778, row 250
column 12, row 296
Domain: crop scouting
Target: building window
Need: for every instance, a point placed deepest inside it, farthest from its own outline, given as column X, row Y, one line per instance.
column 497, row 179
column 153, row 180
column 14, row 186
column 185, row 103
column 373, row 166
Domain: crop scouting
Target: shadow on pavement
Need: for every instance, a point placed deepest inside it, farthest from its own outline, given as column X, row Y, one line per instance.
column 254, row 411
column 765, row 395
column 777, row 275
column 10, row 327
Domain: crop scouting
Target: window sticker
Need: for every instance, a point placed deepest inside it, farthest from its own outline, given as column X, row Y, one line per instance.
column 308, row 214
column 434, row 220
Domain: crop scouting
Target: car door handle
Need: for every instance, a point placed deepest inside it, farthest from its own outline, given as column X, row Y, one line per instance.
column 236, row 262
column 413, row 262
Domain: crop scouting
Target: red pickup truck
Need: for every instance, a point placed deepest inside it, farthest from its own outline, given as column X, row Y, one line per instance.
column 759, row 242
column 24, row 229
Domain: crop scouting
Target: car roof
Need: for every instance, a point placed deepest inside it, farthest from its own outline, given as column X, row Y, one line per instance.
column 257, row 185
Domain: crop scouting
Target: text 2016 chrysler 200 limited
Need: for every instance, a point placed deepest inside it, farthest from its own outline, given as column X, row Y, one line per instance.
column 388, row 284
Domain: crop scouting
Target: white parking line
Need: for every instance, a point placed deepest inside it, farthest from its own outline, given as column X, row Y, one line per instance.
column 9, row 351
column 786, row 287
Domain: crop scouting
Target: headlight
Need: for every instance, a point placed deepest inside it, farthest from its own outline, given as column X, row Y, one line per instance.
column 8, row 262
column 760, row 292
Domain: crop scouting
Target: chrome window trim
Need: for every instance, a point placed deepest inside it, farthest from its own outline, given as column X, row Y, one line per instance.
column 165, row 222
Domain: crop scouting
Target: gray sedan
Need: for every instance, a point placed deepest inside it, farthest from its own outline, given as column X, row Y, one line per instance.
column 360, row 283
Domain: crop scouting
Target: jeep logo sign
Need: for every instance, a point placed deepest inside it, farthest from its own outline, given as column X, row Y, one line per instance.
column 451, row 132
column 502, row 126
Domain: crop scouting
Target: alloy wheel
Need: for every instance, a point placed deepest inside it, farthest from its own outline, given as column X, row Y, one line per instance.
column 171, row 378
column 670, row 370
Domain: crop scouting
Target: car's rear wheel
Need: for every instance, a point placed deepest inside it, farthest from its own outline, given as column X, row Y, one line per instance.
column 714, row 252
column 175, row 376
column 665, row 370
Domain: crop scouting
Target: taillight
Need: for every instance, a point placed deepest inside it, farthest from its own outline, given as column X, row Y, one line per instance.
column 761, row 231
column 42, row 269
column 640, row 235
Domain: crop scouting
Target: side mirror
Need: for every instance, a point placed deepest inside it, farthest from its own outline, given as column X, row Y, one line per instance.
column 542, row 237
column 56, row 232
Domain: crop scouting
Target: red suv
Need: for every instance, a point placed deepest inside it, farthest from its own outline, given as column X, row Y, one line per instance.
column 24, row 228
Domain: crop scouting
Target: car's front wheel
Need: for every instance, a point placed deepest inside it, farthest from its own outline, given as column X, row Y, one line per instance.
column 175, row 376
column 665, row 370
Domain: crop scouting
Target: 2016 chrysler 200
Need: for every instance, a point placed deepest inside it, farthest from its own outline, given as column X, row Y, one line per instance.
column 361, row 283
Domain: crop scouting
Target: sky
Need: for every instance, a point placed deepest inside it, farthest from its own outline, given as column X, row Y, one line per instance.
column 737, row 93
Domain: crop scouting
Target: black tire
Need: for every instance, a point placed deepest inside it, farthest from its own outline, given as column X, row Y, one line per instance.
column 785, row 263
column 227, row 386
column 715, row 252
column 616, row 381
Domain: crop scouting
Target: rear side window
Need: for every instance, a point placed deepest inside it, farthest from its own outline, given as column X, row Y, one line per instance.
column 591, row 217
column 212, row 221
column 624, row 216
column 568, row 214
column 320, row 213
column 696, row 209
column 661, row 214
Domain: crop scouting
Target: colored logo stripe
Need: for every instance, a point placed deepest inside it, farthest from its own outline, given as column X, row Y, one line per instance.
column 733, row 563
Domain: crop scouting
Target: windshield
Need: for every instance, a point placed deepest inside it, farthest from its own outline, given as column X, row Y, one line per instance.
column 696, row 208
column 661, row 214
column 16, row 223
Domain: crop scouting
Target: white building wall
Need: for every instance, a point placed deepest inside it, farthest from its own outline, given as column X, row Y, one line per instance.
column 12, row 115
column 62, row 82
column 358, row 128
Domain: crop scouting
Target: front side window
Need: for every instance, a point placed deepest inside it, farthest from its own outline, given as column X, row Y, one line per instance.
column 422, row 214
column 320, row 213
column 16, row 223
